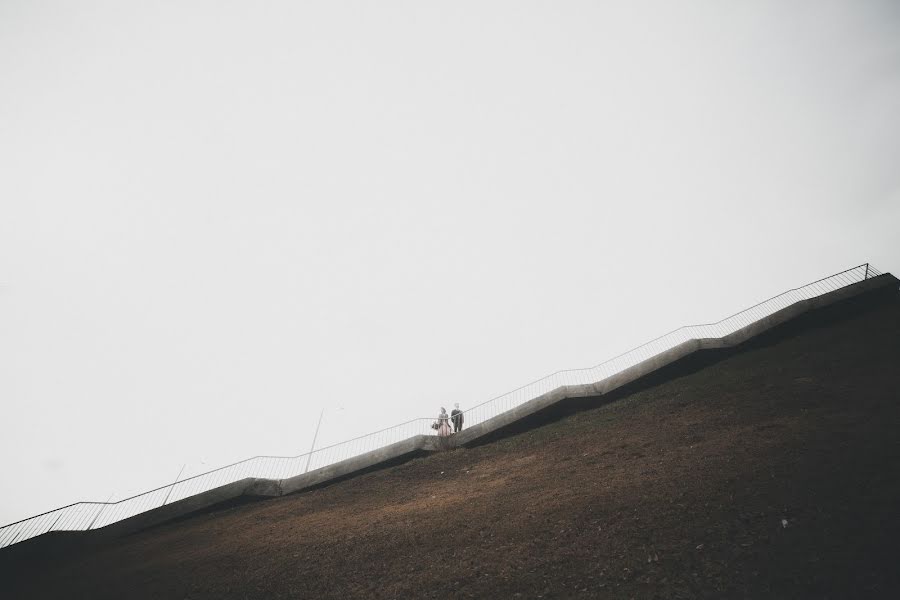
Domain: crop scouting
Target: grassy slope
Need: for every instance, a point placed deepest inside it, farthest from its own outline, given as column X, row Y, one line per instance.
column 677, row 490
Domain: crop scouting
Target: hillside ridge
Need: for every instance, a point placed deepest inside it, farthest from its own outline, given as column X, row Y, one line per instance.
column 766, row 471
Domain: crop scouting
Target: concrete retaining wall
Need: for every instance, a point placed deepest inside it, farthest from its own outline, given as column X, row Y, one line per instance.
column 244, row 487
column 668, row 357
column 253, row 487
column 357, row 463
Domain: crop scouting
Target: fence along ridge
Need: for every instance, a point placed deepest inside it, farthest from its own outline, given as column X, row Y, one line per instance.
column 871, row 270
column 841, row 277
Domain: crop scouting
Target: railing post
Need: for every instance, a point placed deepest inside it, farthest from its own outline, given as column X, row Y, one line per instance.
column 867, row 271
column 315, row 435
column 15, row 537
column 55, row 522
column 173, row 485
column 102, row 508
column 97, row 516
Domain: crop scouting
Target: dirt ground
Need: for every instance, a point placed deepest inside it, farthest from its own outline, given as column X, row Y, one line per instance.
column 769, row 473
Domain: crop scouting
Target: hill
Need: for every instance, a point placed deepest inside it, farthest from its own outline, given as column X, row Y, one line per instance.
column 766, row 471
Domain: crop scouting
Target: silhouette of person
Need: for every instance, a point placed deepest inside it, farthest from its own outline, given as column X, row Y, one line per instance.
column 456, row 416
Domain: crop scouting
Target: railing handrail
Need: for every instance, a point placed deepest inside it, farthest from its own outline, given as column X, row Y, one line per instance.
column 870, row 273
column 656, row 339
column 168, row 485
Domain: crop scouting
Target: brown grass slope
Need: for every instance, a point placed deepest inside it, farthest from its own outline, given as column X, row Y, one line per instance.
column 679, row 489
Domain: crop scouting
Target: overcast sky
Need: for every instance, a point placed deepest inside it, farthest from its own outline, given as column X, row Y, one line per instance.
column 217, row 218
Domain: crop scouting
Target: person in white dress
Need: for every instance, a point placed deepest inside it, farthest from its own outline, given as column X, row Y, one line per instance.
column 443, row 423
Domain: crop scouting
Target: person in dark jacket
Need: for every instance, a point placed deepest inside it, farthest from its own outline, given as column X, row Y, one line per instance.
column 456, row 416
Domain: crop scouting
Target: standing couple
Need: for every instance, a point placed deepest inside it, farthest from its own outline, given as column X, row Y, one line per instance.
column 443, row 423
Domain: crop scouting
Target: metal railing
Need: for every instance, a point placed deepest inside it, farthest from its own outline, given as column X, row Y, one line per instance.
column 83, row 516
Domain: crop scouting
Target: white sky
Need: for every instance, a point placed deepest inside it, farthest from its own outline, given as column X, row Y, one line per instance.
column 217, row 218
